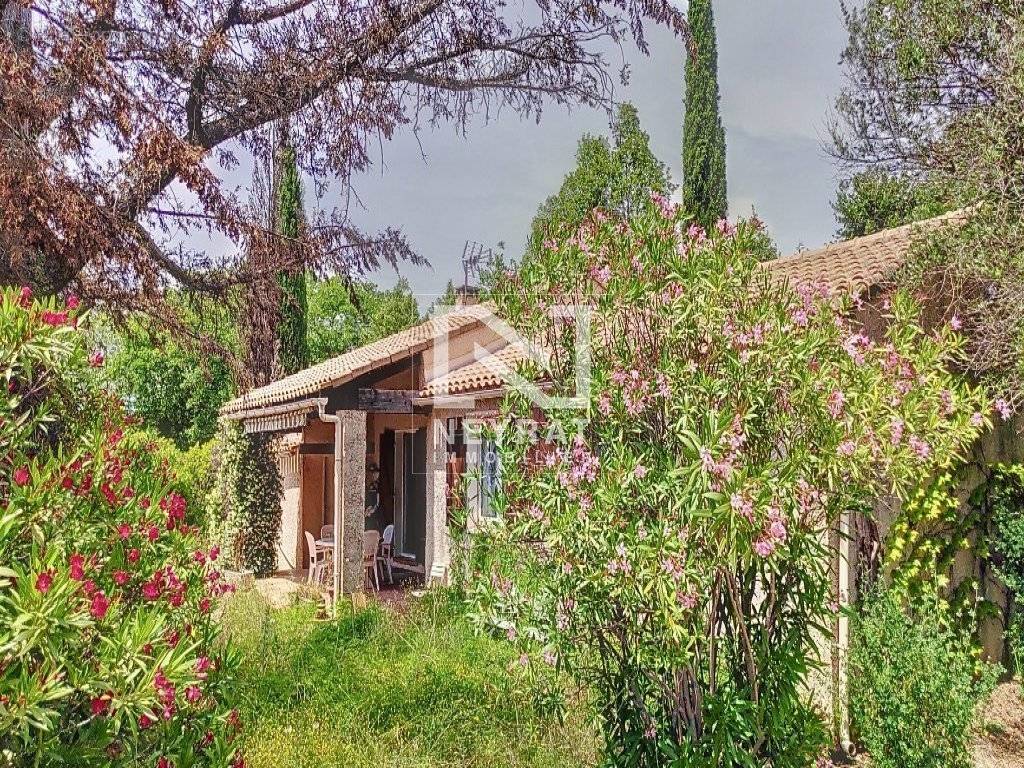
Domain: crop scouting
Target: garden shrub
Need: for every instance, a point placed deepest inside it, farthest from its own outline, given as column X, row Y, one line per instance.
column 665, row 545
column 1005, row 497
column 108, row 654
column 915, row 683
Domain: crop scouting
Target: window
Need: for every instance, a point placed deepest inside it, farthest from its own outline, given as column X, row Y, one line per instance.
column 490, row 477
column 483, row 464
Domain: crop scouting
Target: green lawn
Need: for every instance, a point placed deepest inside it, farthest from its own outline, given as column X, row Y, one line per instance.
column 378, row 688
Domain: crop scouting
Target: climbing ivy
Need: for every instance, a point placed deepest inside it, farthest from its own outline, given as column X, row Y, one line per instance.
column 252, row 490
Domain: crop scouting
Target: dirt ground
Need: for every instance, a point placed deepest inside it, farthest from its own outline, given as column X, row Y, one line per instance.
column 1001, row 745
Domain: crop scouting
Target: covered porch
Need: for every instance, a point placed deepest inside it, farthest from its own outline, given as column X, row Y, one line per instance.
column 371, row 448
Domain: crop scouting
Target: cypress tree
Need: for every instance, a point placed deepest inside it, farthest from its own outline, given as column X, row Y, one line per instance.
column 291, row 331
column 703, row 135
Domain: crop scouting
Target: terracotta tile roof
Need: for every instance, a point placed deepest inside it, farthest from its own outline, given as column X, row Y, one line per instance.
column 855, row 265
column 338, row 370
column 478, row 375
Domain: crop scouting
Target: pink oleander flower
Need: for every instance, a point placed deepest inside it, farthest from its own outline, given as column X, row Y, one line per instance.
column 956, row 323
column 855, row 345
column 133, row 555
column 193, row 694
column 896, row 427
column 764, row 547
column 21, row 476
column 1004, row 409
column 72, row 302
column 846, row 448
column 44, row 581
column 836, row 401
column 120, row 577
column 25, row 296
column 640, row 472
column 920, row 447
column 977, row 419
column 687, row 600
column 124, row 531
column 601, row 275
column 96, row 358
column 725, row 227
column 696, row 233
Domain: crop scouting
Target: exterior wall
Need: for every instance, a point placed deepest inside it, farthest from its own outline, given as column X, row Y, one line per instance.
column 315, row 470
column 438, row 549
column 289, row 548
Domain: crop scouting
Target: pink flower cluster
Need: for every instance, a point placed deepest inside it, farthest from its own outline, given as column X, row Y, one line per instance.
column 620, row 563
column 583, row 464
column 773, row 535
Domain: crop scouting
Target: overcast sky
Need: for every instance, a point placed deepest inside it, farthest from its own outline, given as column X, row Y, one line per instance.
column 778, row 74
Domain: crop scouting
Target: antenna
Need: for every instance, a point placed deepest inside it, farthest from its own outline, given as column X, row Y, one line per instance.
column 475, row 258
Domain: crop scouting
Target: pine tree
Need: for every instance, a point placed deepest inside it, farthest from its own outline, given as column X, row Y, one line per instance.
column 291, row 331
column 703, row 135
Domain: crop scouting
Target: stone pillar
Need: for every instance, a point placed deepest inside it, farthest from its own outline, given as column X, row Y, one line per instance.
column 438, row 550
column 352, row 497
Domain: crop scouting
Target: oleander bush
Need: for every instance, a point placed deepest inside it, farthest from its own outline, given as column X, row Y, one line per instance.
column 108, row 654
column 663, row 539
column 915, row 682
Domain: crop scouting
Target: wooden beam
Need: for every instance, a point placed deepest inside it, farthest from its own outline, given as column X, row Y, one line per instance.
column 316, row 449
column 387, row 400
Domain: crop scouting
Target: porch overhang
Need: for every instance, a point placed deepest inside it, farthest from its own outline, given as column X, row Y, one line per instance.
column 286, row 417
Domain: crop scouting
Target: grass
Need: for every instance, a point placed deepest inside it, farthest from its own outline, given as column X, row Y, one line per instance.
column 379, row 688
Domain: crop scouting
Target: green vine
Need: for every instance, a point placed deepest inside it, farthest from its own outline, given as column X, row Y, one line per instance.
column 252, row 491
column 923, row 544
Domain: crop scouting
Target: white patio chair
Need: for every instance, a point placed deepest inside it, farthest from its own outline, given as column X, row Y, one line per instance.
column 370, row 541
column 327, row 532
column 386, row 551
column 316, row 565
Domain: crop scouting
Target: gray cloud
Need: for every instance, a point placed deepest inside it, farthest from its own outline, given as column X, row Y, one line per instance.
column 778, row 74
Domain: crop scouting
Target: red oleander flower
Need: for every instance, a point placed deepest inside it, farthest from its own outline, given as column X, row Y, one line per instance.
column 100, row 705
column 151, row 590
column 120, row 577
column 100, row 606
column 77, row 567
column 43, row 582
column 133, row 555
column 21, row 476
column 73, row 302
column 124, row 531
column 96, row 358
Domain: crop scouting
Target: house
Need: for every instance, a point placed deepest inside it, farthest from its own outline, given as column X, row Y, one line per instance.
column 381, row 434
